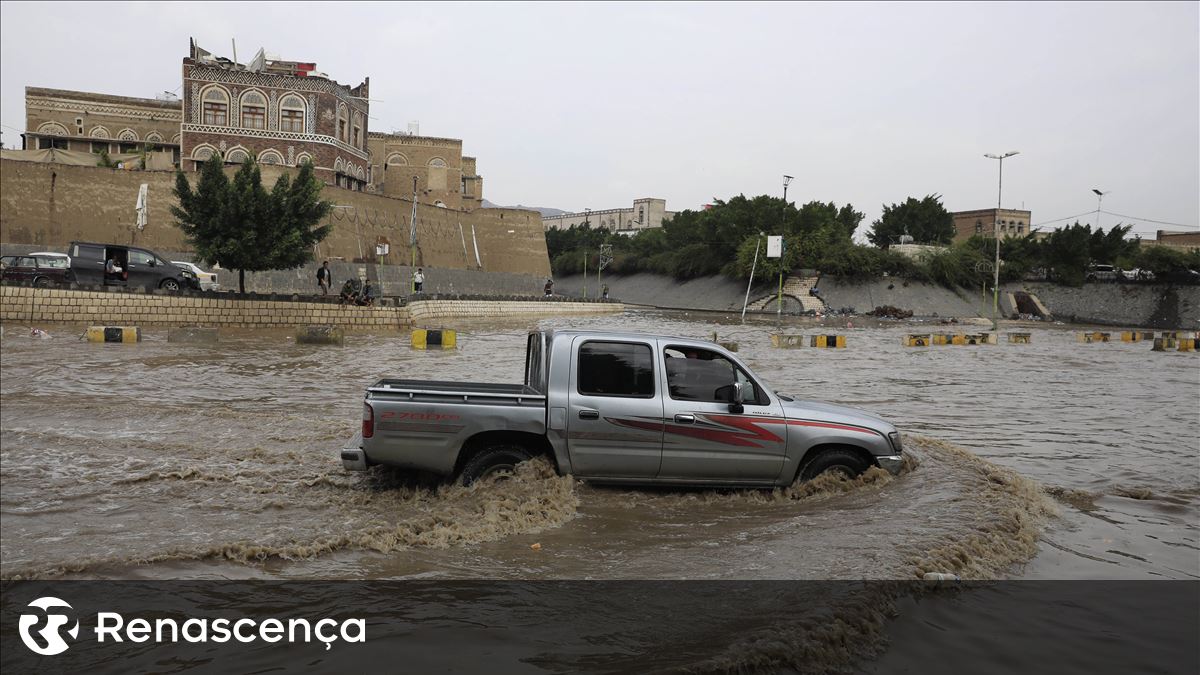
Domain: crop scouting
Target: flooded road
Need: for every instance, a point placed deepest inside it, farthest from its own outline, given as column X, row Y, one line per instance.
column 161, row 460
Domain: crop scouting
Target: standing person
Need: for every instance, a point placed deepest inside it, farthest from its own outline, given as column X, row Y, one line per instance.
column 324, row 278
column 418, row 281
column 604, row 291
column 548, row 289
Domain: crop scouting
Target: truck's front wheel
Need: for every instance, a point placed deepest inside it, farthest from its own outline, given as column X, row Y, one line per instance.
column 497, row 460
column 842, row 461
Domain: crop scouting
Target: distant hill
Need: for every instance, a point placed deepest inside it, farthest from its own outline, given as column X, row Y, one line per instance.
column 544, row 210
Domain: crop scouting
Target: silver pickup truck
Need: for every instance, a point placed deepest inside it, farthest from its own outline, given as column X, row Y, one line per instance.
column 619, row 408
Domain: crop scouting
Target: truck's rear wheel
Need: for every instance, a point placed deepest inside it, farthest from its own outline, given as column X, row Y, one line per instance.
column 497, row 460
column 834, row 460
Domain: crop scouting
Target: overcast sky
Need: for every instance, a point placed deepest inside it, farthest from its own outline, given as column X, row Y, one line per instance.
column 592, row 105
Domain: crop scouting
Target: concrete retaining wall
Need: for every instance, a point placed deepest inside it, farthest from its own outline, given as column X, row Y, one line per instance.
column 26, row 305
column 1115, row 304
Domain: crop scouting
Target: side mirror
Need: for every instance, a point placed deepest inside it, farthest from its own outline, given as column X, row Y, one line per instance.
column 739, row 392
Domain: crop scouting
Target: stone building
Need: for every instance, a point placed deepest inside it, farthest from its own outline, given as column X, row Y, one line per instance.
column 1182, row 239
column 87, row 122
column 987, row 222
column 444, row 176
column 645, row 213
column 283, row 112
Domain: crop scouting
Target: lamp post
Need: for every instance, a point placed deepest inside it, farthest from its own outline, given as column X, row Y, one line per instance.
column 587, row 222
column 786, row 180
column 1099, row 198
column 996, row 270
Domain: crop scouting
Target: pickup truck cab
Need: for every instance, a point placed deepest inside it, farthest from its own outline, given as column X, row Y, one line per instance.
column 620, row 408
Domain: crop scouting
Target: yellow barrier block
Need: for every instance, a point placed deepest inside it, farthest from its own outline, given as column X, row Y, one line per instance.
column 1136, row 335
column 828, row 341
column 916, row 340
column 1093, row 337
column 1170, row 335
column 981, row 339
column 434, row 338
column 943, row 339
column 1020, row 338
column 114, row 334
column 787, row 341
column 1187, row 344
column 1163, row 344
column 958, row 339
column 731, row 346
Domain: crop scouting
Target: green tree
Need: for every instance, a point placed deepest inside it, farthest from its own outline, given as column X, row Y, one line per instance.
column 925, row 220
column 244, row 227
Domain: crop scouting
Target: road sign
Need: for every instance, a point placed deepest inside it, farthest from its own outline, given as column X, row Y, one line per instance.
column 775, row 246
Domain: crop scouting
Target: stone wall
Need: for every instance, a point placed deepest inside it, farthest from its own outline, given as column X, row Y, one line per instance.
column 27, row 306
column 49, row 205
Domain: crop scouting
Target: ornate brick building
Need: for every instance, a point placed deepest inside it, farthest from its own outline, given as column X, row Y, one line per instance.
column 86, row 122
column 282, row 112
column 987, row 222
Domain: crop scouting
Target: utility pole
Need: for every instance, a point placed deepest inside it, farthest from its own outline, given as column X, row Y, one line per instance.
column 1099, row 198
column 412, row 239
column 996, row 271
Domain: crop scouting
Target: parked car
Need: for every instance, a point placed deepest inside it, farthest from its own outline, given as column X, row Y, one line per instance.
column 1102, row 273
column 134, row 267
column 208, row 280
column 1136, row 274
column 53, row 254
column 620, row 408
column 38, row 269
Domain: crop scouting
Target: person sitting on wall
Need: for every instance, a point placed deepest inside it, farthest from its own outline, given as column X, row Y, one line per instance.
column 367, row 297
column 350, row 292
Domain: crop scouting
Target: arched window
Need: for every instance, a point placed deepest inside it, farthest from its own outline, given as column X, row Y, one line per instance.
column 357, row 138
column 127, row 135
column 270, row 157
column 153, row 137
column 202, row 152
column 237, row 156
column 291, row 114
column 302, row 158
column 341, row 122
column 99, row 132
column 397, row 159
column 254, row 110
column 216, row 106
column 437, row 163
column 52, row 129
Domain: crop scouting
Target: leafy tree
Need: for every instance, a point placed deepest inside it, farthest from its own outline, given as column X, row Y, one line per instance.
column 1065, row 253
column 246, row 228
column 926, row 220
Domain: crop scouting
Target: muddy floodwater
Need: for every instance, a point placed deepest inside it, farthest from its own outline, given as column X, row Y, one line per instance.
column 1052, row 460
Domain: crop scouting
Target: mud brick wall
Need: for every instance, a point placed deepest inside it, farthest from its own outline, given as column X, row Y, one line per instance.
column 454, row 309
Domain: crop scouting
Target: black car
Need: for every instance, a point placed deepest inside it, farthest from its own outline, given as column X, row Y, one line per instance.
column 120, row 265
column 41, row 270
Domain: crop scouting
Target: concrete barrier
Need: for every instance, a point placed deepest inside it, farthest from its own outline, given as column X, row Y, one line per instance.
column 940, row 339
column 1187, row 344
column 916, row 340
column 1093, row 336
column 1169, row 334
column 1136, row 335
column 192, row 334
column 731, row 346
column 114, row 334
column 1020, row 338
column 787, row 341
column 434, row 338
column 828, row 341
column 1164, row 344
column 981, row 339
column 320, row 335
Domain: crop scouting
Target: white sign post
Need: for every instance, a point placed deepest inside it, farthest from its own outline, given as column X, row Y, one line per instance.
column 775, row 250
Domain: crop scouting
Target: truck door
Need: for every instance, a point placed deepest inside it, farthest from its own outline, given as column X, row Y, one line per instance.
column 614, row 411
column 702, row 438
column 87, row 264
column 143, row 270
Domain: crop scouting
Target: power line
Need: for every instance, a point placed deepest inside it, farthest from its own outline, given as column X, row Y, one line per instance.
column 1056, row 220
column 1148, row 220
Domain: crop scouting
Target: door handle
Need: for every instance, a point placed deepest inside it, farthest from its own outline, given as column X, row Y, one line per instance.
column 685, row 419
column 589, row 414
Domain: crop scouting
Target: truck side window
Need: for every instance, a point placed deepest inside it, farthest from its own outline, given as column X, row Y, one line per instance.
column 616, row 369
column 700, row 375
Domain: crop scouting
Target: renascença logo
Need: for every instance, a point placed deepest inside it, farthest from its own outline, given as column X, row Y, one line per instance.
column 51, row 641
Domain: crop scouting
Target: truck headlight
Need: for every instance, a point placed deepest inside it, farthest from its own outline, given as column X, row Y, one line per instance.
column 894, row 439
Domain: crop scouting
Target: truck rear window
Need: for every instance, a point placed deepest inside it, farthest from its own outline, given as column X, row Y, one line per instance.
column 616, row 369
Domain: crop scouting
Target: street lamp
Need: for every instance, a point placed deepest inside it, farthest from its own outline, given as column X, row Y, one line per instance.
column 1099, row 198
column 786, row 180
column 999, row 194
